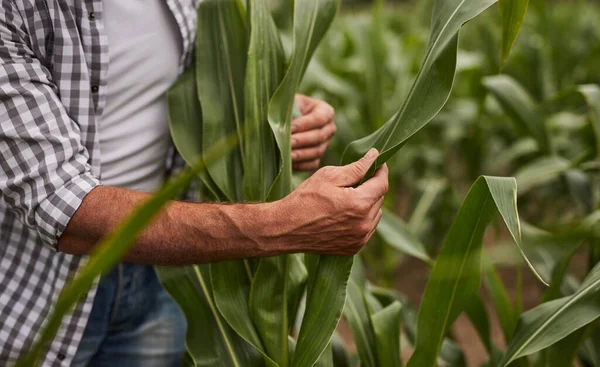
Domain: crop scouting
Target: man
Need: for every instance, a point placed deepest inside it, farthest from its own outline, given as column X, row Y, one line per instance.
column 83, row 139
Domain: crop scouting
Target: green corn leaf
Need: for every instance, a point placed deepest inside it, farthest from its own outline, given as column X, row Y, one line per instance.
column 264, row 72
column 373, row 51
column 501, row 301
column 357, row 316
column 456, row 275
column 541, row 171
column 477, row 314
column 326, row 295
column 513, row 13
column 521, row 108
column 268, row 304
column 312, row 19
column 114, row 247
column 296, row 286
column 231, row 283
column 386, row 327
column 591, row 94
column 326, row 359
column 396, row 234
column 220, row 70
column 552, row 321
column 210, row 341
column 432, row 86
column 564, row 353
column 338, row 349
column 185, row 123
column 450, row 354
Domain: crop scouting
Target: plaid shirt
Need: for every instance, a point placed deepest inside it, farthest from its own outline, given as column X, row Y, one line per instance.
column 53, row 69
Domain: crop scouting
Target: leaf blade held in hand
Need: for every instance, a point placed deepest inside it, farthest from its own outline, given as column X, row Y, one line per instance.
column 432, row 87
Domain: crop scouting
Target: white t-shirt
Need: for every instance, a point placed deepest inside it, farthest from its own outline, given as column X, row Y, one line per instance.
column 144, row 47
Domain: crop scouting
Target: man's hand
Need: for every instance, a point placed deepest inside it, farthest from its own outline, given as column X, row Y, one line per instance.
column 311, row 133
column 327, row 215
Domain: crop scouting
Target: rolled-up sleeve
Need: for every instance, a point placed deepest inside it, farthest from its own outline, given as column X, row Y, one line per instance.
column 44, row 167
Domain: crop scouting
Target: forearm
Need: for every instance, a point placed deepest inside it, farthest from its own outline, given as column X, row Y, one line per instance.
column 183, row 233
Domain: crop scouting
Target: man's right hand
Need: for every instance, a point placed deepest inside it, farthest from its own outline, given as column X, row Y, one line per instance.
column 328, row 215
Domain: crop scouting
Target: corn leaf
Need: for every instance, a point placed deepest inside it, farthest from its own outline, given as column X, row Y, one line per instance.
column 501, row 301
column 327, row 290
column 268, row 298
column 356, row 314
column 326, row 295
column 541, row 171
column 297, row 279
column 591, row 94
column 552, row 321
column 312, row 19
column 432, row 86
column 338, row 350
column 456, row 275
column 264, row 72
column 396, row 234
column 564, row 352
column 386, row 327
column 477, row 314
column 185, row 123
column 326, row 359
column 231, row 283
column 220, row 70
column 210, row 341
column 521, row 108
column 513, row 13
column 268, row 302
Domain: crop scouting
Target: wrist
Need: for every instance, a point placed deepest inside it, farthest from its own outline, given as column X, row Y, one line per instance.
column 276, row 232
column 259, row 230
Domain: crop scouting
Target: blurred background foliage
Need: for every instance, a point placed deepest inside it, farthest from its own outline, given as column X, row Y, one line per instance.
column 364, row 69
column 372, row 55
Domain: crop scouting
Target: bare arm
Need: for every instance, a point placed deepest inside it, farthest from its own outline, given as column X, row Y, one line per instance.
column 324, row 215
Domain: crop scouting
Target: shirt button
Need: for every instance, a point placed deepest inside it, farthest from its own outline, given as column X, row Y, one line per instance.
column 95, row 89
column 92, row 15
column 61, row 356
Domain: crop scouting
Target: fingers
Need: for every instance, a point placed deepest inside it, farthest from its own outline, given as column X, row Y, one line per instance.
column 376, row 208
column 375, row 223
column 353, row 173
column 315, row 114
column 307, row 166
column 309, row 154
column 313, row 137
column 377, row 186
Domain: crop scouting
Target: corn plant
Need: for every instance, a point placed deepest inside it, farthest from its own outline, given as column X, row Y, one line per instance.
column 240, row 95
column 244, row 89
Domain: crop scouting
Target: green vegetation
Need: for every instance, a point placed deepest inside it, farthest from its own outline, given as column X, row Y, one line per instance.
column 539, row 121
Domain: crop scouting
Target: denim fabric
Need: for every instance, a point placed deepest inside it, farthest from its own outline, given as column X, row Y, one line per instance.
column 133, row 323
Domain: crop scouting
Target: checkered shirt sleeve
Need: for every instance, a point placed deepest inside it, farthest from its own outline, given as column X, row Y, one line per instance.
column 44, row 169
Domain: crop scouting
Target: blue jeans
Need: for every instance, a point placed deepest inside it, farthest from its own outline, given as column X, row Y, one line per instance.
column 133, row 322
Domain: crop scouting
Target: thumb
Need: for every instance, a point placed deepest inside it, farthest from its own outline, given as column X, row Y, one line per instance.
column 353, row 173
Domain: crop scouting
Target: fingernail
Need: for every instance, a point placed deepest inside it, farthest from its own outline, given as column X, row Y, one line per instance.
column 294, row 142
column 294, row 155
column 372, row 153
column 294, row 129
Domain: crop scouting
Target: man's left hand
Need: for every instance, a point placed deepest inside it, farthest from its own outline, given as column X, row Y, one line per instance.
column 311, row 133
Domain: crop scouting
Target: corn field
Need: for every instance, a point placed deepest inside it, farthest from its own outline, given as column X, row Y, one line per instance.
column 487, row 114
